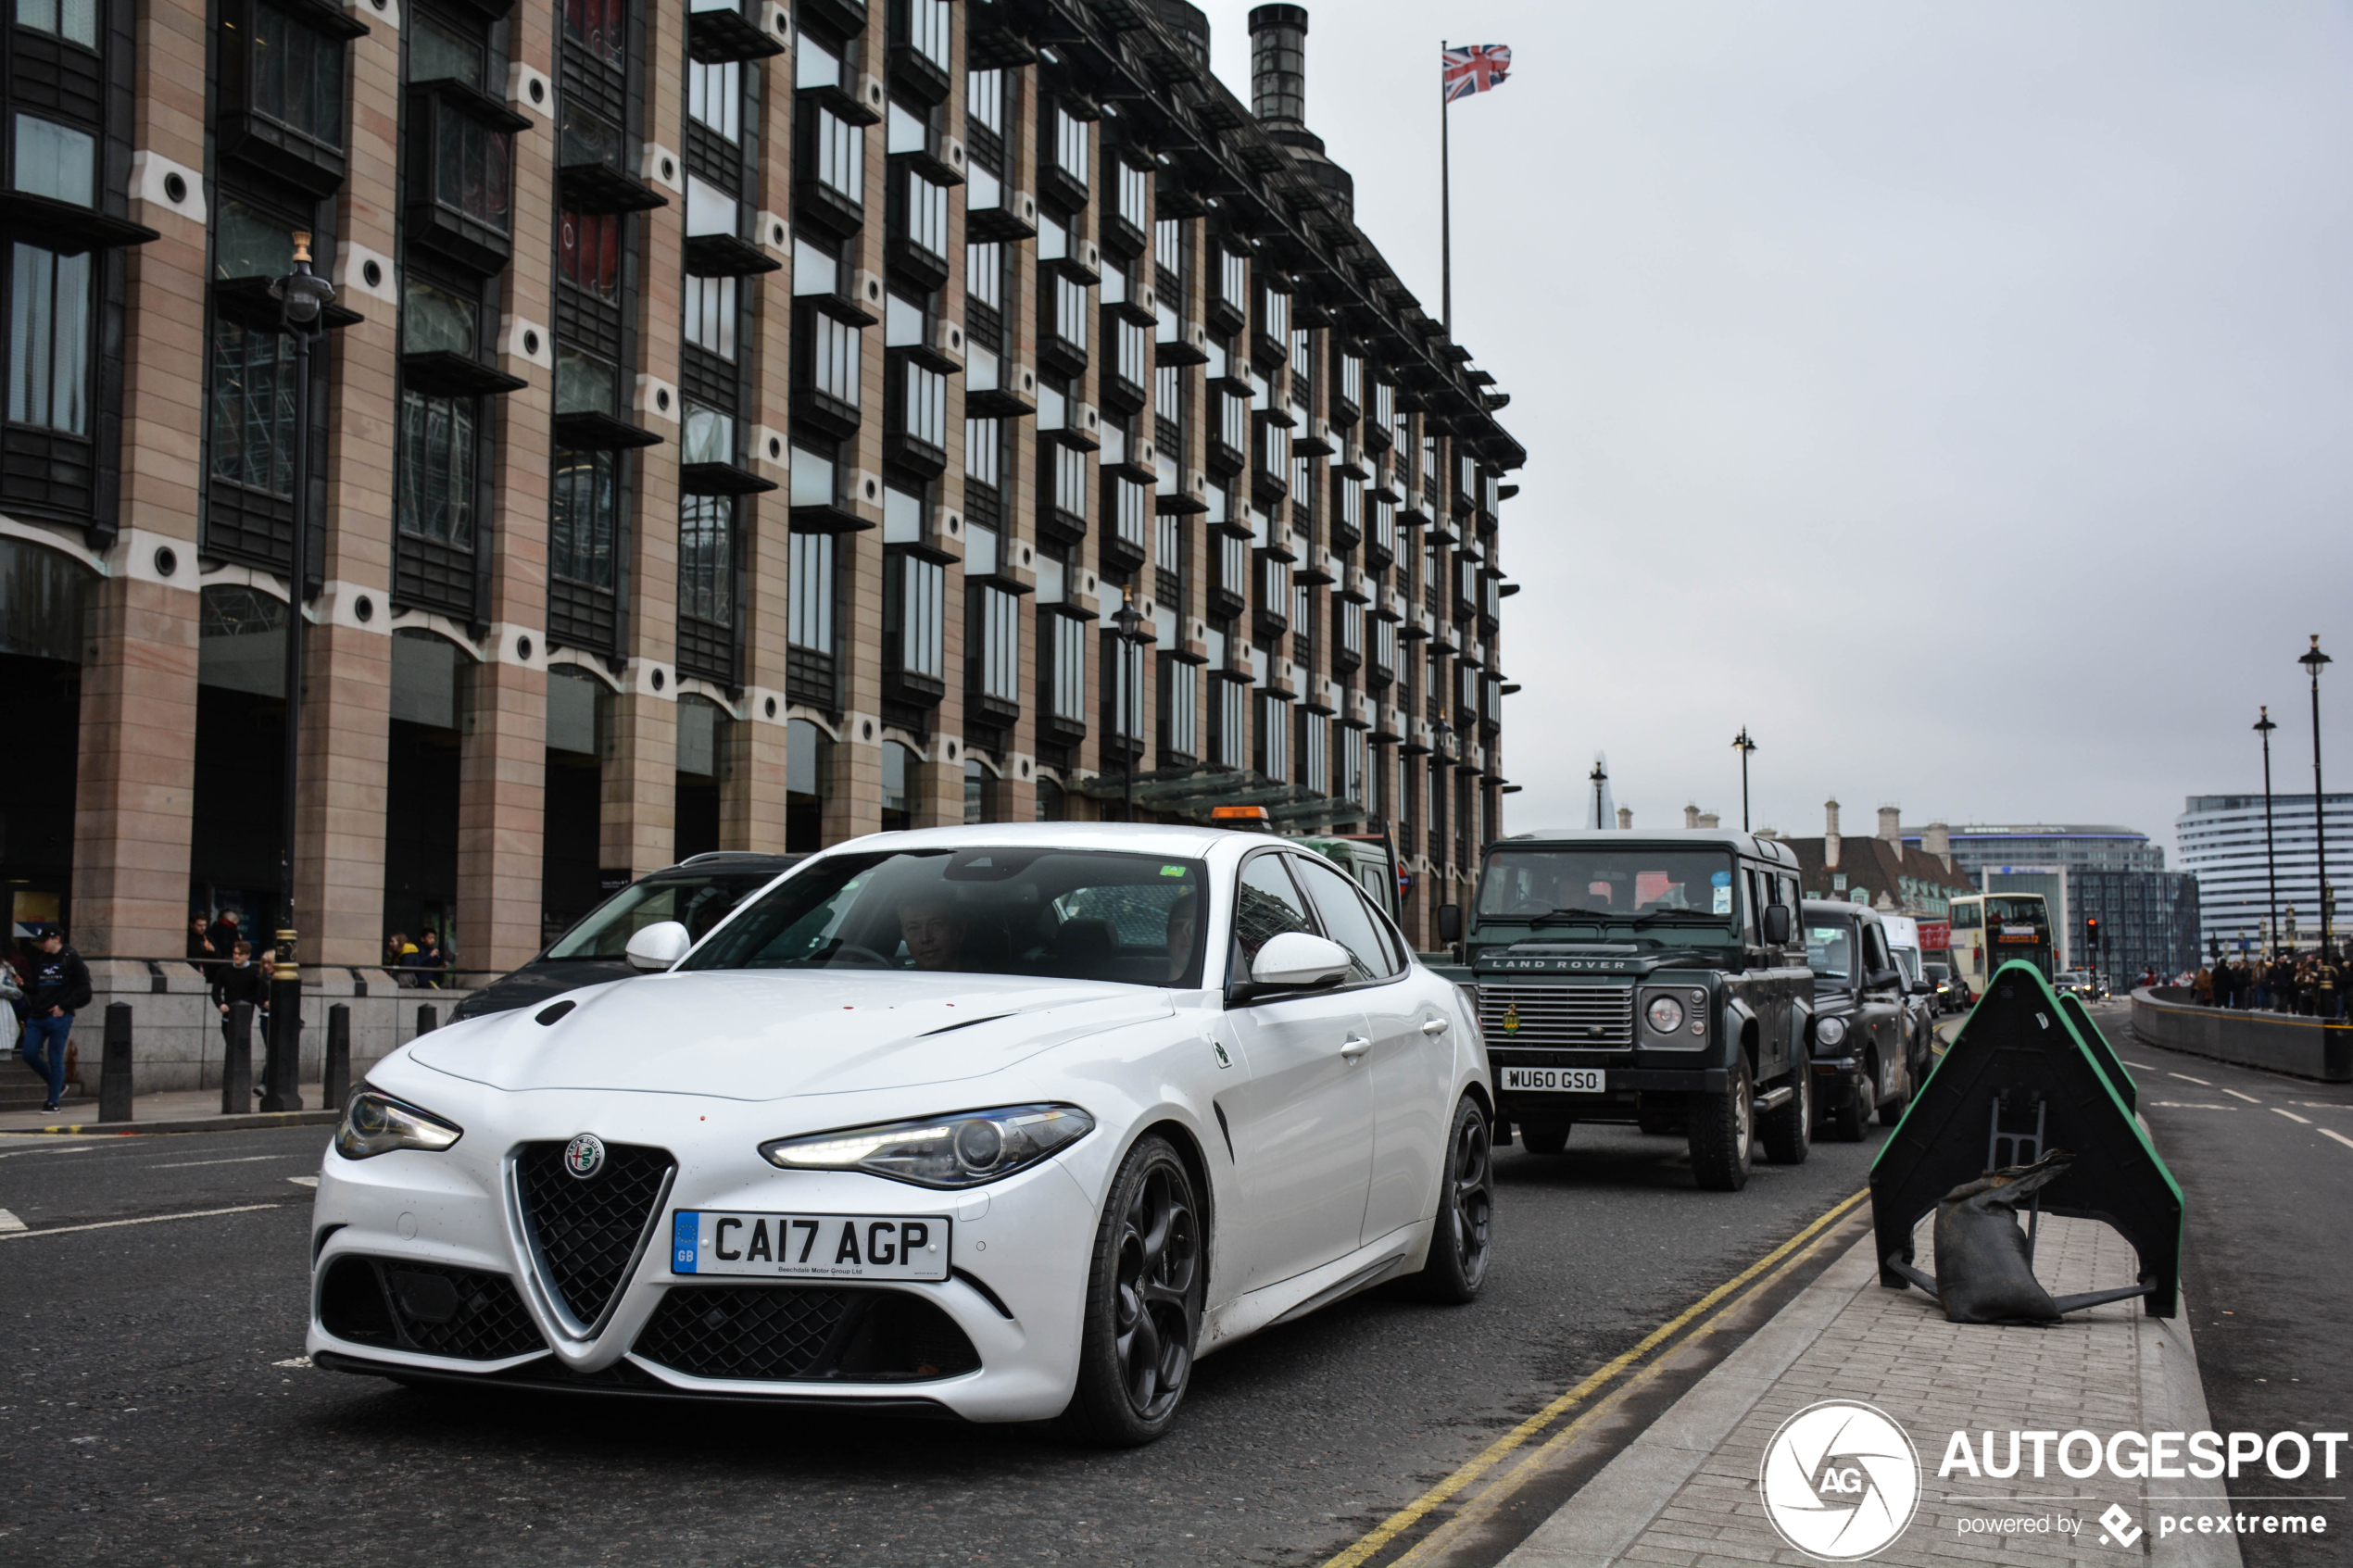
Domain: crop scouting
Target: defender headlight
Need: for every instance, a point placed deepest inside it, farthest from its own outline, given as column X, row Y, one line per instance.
column 1830, row 1031
column 962, row 1151
column 1665, row 1015
column 376, row 1123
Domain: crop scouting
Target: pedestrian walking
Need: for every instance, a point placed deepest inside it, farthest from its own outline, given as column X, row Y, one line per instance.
column 60, row 988
column 426, row 958
column 2202, row 988
column 199, row 945
column 2324, row 988
column 239, row 980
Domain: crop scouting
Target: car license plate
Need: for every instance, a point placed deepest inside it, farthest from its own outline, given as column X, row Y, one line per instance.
column 709, row 1241
column 1556, row 1080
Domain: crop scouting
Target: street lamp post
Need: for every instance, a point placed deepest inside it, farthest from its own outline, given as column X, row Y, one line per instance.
column 1741, row 744
column 2312, row 660
column 1128, row 625
column 302, row 297
column 2264, row 727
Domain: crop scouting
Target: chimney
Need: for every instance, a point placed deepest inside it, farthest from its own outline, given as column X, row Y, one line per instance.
column 1768, row 833
column 1279, row 66
column 1625, row 819
column 1891, row 826
column 1829, row 835
column 1708, row 820
column 1937, row 839
column 1690, row 816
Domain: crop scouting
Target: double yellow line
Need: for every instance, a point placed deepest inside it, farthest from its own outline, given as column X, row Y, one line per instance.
column 1363, row 1550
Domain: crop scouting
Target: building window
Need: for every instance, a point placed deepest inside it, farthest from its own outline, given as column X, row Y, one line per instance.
column 76, row 22
column 925, row 409
column 588, row 253
column 925, row 22
column 710, row 315
column 1230, row 724
column 1070, row 481
column 297, row 77
column 997, row 663
column 49, row 309
column 809, row 623
column 707, row 559
column 913, row 610
column 1233, row 273
column 1133, row 182
column 601, row 27
column 840, row 153
column 1179, row 705
column 587, row 500
column 1168, row 247
column 55, row 160
column 437, row 489
column 1274, row 737
column 253, row 409
column 707, row 434
column 1068, row 674
column 1314, row 762
column 1070, row 311
column 833, row 351
column 1071, row 141
column 985, row 100
column 925, row 222
column 714, row 97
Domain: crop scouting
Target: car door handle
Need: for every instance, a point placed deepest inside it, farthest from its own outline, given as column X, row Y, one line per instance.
column 1433, row 1027
column 1354, row 1046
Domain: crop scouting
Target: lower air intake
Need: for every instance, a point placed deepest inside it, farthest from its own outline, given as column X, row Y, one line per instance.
column 799, row 1333
column 460, row 1313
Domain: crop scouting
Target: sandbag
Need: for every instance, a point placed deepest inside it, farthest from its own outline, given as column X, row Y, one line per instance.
column 1982, row 1273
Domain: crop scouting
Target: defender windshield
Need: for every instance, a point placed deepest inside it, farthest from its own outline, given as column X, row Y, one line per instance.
column 1607, row 884
column 1071, row 914
column 1830, row 951
column 697, row 903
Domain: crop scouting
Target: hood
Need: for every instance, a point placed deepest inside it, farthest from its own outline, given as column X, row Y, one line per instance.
column 541, row 981
column 753, row 1035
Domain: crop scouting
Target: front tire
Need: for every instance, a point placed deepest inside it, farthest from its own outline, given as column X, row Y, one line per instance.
column 1462, row 1236
column 1723, row 1133
column 1143, row 1304
column 1789, row 1132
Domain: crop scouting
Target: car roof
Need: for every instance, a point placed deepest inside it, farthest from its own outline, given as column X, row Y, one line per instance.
column 726, row 860
column 1771, row 849
column 1139, row 837
column 1838, row 907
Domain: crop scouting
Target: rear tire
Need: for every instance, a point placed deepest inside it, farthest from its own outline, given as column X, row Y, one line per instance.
column 1143, row 1304
column 1463, row 1235
column 1545, row 1140
column 1723, row 1134
column 1847, row 1118
column 1789, row 1132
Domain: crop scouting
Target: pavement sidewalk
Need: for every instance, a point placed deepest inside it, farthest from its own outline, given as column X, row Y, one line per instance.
column 178, row 1110
column 1687, row 1490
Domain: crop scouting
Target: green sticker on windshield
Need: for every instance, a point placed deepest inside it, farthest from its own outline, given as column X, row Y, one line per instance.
column 1172, row 871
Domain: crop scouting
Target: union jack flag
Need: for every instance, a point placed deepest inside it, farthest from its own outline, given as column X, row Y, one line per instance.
column 1475, row 67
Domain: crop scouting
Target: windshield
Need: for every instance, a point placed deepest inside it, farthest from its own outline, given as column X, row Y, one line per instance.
column 1908, row 960
column 697, row 903
column 1609, row 884
column 2018, row 918
column 1073, row 914
column 1830, row 951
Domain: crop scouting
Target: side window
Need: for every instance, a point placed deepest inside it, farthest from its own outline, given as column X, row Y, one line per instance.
column 1875, row 950
column 1347, row 920
column 1265, row 905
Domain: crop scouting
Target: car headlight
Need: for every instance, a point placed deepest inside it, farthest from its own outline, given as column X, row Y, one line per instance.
column 1665, row 1015
column 962, row 1151
column 1831, row 1031
column 376, row 1123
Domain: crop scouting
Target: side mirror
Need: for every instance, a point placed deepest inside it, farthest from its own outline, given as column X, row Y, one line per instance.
column 1880, row 979
column 1922, row 988
column 659, row 946
column 1776, row 924
column 1295, row 961
column 1450, row 923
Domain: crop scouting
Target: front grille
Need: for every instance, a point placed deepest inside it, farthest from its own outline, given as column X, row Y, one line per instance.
column 588, row 1232
column 1563, row 1017
column 803, row 1333
column 443, row 1311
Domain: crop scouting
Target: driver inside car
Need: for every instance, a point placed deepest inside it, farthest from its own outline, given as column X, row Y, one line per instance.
column 934, row 933
column 1184, row 921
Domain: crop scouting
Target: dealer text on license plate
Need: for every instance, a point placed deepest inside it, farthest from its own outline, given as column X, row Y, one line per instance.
column 1556, row 1080
column 710, row 1241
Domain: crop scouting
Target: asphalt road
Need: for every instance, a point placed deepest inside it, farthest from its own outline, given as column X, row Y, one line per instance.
column 147, row 1416
column 2270, row 1272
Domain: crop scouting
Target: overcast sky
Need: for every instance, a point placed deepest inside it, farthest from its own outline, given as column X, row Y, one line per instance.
column 1957, row 395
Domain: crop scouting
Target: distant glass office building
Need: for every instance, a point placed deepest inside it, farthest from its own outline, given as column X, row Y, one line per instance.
column 1979, row 847
column 2149, row 920
column 2077, row 868
column 2220, row 840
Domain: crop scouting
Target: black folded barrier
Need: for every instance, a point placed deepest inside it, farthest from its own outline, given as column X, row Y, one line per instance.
column 2021, row 1079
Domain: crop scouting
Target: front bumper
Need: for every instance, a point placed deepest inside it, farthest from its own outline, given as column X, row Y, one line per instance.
column 1019, row 1251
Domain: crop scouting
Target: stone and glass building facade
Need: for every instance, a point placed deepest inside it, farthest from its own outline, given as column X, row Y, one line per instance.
column 738, row 425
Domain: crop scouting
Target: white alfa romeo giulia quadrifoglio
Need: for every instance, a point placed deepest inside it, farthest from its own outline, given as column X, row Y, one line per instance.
column 1007, row 1123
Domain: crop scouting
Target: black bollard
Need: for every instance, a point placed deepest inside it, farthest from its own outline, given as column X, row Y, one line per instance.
column 237, row 1066
column 281, row 1080
column 335, row 1075
column 114, row 1074
column 428, row 1018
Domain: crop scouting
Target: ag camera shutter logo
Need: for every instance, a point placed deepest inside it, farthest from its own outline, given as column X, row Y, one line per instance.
column 1839, row 1480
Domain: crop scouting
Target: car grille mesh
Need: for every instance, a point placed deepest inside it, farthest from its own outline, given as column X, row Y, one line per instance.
column 462, row 1313
column 1563, row 1017
column 798, row 1333
column 585, row 1231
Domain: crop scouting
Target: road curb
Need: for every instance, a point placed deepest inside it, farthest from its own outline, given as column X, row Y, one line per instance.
column 1612, row 1512
column 244, row 1123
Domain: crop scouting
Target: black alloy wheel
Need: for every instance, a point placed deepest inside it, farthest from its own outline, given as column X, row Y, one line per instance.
column 1143, row 1302
column 1462, row 1236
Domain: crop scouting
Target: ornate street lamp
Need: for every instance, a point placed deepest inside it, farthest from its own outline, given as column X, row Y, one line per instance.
column 1128, row 625
column 2264, row 727
column 2312, row 660
column 302, row 300
column 1741, row 744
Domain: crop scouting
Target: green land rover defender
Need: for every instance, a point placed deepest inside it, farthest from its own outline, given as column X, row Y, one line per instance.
column 1656, row 979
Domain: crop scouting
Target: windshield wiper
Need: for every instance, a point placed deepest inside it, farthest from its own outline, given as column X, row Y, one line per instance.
column 1602, row 916
column 1649, row 915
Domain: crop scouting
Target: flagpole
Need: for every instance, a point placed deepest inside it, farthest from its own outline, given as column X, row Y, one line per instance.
column 1445, row 199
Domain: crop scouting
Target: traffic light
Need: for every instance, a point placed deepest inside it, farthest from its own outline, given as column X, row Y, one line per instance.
column 2092, row 932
